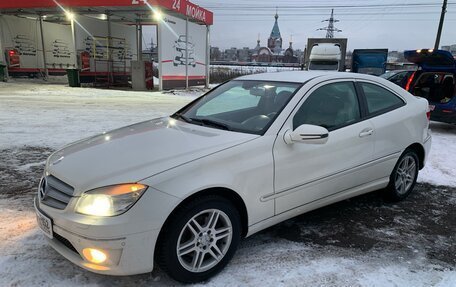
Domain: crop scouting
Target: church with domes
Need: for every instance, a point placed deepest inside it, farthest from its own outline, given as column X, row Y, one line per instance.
column 274, row 52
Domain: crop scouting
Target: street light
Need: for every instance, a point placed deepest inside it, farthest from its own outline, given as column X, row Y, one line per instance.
column 69, row 15
column 157, row 15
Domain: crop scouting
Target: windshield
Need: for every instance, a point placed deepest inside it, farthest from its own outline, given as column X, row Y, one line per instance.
column 324, row 65
column 243, row 106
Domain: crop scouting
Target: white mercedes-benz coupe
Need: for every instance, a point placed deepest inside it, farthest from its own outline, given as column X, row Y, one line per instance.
column 182, row 191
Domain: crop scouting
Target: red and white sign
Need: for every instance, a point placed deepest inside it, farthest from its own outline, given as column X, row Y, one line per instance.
column 181, row 53
column 20, row 36
column 183, row 7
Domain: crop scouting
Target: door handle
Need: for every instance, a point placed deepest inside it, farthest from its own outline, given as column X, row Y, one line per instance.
column 366, row 132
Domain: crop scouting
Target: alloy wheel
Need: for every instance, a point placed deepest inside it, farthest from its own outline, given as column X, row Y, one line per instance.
column 405, row 175
column 204, row 240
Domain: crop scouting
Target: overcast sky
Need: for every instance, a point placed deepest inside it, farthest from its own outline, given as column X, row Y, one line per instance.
column 396, row 25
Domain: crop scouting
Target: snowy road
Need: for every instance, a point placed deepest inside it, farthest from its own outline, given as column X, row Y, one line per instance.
column 360, row 242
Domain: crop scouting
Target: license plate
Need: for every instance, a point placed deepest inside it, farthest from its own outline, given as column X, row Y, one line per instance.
column 45, row 223
column 431, row 107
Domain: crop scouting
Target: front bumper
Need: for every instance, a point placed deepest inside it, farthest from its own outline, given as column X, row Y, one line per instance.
column 128, row 240
column 126, row 255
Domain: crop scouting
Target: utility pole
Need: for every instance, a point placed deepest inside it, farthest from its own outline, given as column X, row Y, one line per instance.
column 43, row 47
column 330, row 29
column 439, row 31
column 186, row 53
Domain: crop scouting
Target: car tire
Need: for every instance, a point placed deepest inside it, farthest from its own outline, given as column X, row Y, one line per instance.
column 403, row 177
column 199, row 239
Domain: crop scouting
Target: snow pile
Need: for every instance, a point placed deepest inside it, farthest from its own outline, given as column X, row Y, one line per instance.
column 440, row 168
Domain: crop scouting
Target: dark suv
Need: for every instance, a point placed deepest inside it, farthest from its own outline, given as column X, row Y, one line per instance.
column 399, row 77
column 435, row 80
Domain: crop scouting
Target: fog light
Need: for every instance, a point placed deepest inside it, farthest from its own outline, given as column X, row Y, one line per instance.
column 94, row 255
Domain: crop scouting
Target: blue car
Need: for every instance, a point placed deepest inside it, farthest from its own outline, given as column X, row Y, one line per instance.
column 434, row 80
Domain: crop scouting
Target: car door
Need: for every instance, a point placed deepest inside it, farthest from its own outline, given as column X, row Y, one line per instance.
column 385, row 110
column 305, row 173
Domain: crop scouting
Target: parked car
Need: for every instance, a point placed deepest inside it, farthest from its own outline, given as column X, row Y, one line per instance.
column 435, row 80
column 399, row 77
column 182, row 191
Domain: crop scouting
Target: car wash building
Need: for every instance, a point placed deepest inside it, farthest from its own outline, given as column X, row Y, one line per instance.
column 100, row 41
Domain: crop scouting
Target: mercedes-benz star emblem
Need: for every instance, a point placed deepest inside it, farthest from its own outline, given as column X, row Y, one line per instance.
column 42, row 189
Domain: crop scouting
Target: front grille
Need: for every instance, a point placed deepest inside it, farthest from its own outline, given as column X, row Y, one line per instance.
column 65, row 242
column 55, row 193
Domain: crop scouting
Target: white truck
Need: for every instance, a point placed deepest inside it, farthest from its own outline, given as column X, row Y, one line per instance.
column 325, row 56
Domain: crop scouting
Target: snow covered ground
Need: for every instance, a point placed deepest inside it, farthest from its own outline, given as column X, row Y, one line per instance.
column 360, row 242
column 441, row 166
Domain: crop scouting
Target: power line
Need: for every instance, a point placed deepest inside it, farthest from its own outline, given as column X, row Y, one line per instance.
column 323, row 14
column 351, row 20
column 283, row 7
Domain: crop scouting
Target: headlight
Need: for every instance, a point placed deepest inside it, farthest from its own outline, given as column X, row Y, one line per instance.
column 110, row 200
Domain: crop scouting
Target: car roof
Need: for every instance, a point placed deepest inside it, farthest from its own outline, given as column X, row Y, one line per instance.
column 432, row 60
column 303, row 76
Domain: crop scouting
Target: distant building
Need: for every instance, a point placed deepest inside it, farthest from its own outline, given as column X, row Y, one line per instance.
column 396, row 57
column 264, row 55
column 450, row 48
column 244, row 54
column 231, row 54
column 216, row 54
column 274, row 51
column 275, row 39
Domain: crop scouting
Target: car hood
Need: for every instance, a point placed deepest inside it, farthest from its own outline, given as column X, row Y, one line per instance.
column 135, row 152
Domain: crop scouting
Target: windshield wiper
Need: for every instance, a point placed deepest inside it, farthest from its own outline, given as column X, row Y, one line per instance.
column 209, row 122
column 182, row 117
column 205, row 122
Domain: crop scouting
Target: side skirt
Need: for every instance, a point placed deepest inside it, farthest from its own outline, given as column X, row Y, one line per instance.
column 345, row 194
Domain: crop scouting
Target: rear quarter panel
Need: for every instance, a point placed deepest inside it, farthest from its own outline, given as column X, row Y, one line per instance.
column 402, row 127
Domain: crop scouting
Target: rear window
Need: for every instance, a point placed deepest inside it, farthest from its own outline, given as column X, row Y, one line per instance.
column 379, row 99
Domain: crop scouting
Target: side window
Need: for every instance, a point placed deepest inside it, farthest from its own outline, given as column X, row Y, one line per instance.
column 330, row 106
column 380, row 99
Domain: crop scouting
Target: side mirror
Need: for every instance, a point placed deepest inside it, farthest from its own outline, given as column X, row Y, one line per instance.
column 309, row 134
